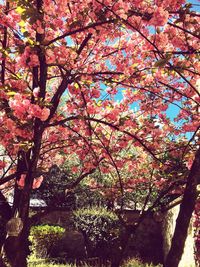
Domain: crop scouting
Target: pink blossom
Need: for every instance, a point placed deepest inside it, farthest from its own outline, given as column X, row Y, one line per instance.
column 95, row 93
column 91, row 108
column 160, row 17
column 74, row 169
column 50, row 56
column 39, row 27
column 18, row 84
column 2, row 164
column 113, row 115
column 45, row 114
column 189, row 163
column 37, row 182
column 110, row 90
column 26, row 103
column 36, row 91
column 21, row 181
column 34, row 61
column 35, row 110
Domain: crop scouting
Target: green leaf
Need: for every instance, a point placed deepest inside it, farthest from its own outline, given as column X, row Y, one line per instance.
column 20, row 10
column 11, row 93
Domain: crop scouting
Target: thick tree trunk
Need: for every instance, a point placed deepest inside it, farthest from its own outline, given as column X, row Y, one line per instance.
column 2, row 264
column 16, row 248
column 13, row 248
column 5, row 212
column 169, row 223
column 185, row 215
column 5, row 209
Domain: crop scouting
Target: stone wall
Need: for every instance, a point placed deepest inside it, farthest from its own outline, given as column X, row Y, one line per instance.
column 151, row 242
column 147, row 242
column 142, row 244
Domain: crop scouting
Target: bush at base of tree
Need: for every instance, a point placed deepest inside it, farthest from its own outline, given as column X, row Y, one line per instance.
column 44, row 238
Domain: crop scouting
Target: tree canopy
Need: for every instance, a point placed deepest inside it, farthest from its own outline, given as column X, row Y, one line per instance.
column 94, row 78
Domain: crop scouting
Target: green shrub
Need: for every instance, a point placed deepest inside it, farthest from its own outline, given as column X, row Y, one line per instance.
column 48, row 265
column 97, row 223
column 44, row 238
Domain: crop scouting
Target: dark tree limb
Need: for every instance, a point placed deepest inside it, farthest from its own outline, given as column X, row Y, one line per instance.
column 185, row 214
column 90, row 26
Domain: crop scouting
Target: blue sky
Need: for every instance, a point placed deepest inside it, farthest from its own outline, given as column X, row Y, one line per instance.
column 196, row 5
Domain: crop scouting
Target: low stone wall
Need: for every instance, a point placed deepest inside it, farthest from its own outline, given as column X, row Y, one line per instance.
column 142, row 244
column 147, row 242
column 62, row 218
column 151, row 242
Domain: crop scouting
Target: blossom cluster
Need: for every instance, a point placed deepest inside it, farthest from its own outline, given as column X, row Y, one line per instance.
column 23, row 108
column 36, row 182
column 160, row 17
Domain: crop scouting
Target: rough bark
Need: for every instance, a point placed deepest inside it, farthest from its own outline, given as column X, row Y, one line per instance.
column 168, row 227
column 5, row 213
column 5, row 209
column 185, row 214
column 2, row 264
column 22, row 198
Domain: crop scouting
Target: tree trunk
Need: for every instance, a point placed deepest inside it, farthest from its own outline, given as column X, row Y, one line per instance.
column 5, row 212
column 2, row 264
column 17, row 248
column 185, row 214
column 5, row 209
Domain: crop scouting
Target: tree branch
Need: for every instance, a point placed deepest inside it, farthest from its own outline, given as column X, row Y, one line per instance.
column 7, row 178
column 184, row 30
column 84, row 43
column 79, row 179
column 92, row 25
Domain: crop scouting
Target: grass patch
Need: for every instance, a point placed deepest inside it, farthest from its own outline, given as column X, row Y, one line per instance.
column 45, row 263
column 137, row 263
column 48, row 265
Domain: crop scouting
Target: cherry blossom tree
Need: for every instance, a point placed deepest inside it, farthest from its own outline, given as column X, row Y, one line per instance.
column 63, row 66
